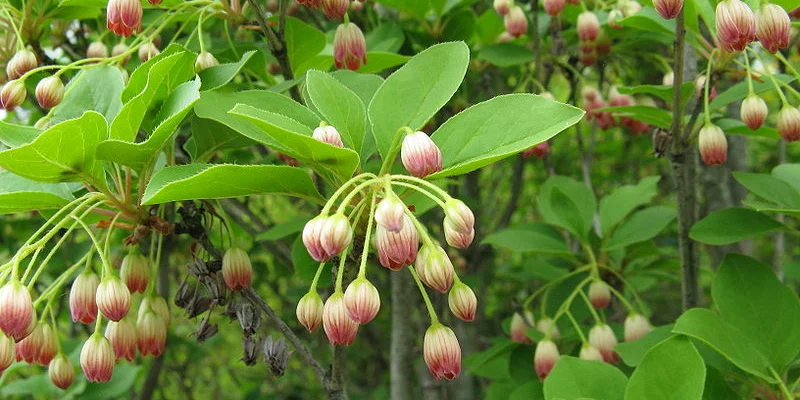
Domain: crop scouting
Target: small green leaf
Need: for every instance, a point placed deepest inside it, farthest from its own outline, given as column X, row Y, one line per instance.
column 647, row 19
column 506, row 54
column 733, row 225
column 218, row 75
column 650, row 115
column 624, row 199
column 387, row 37
column 579, row 194
column 379, row 61
column 662, row 92
column 769, row 188
column 363, row 85
column 568, row 213
column 415, row 92
column 217, row 181
column 13, row 135
column 534, row 238
column 672, row 370
column 418, row 8
column 641, row 226
column 303, row 43
column 497, row 128
column 18, row 194
column 529, row 391
column 573, row 378
column 120, row 384
column 339, row 106
column 183, row 71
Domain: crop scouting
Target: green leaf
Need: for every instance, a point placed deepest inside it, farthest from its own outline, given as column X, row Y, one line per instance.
column 13, row 135
column 209, row 136
column 208, row 181
column 295, row 139
column 733, row 225
column 284, row 229
column 662, row 92
column 711, row 329
column 303, row 43
column 386, row 37
column 717, row 386
column 417, row 8
column 143, row 155
column 534, row 238
column 579, row 194
column 218, row 75
column 506, row 54
column 769, row 188
column 624, row 199
column 495, row 129
column 63, row 153
column 769, row 313
column 632, row 353
column 739, row 91
column 647, row 19
column 459, row 25
column 379, row 61
column 306, row 267
column 339, row 106
column 573, row 378
column 650, row 115
column 18, row 194
column 82, row 95
column 789, row 173
column 736, row 127
column 529, row 391
column 568, row 213
column 415, row 92
column 672, row 370
column 363, row 85
column 120, row 384
column 519, row 365
column 182, row 71
column 643, row 225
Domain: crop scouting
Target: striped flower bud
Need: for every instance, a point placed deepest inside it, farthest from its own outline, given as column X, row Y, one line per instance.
column 420, row 155
column 349, row 47
column 340, row 329
column 503, row 6
column 713, row 145
column 124, row 17
column 49, row 92
column 459, row 224
column 362, row 301
column 28, row 348
column 312, row 238
column 789, row 124
column 309, row 311
column 328, row 134
column 7, row 352
column 97, row 49
column 335, row 9
column 390, row 213
column 336, row 234
column 157, row 304
column 545, row 357
column 49, row 345
column 599, row 295
column 636, row 326
column 442, row 352
column 122, row 336
column 16, row 310
column 462, row 301
column 754, row 111
column 773, row 27
column 435, row 268
column 519, row 328
column 590, row 353
column 61, row 372
column 397, row 249
column 602, row 337
column 97, row 359
column 668, row 9
column 205, row 60
column 151, row 334
column 82, row 304
column 20, row 63
column 588, row 26
column 135, row 272
column 554, row 7
column 12, row 95
column 548, row 328
column 516, row 22
column 148, row 51
column 736, row 25
column 120, row 49
column 237, row 271
column 113, row 298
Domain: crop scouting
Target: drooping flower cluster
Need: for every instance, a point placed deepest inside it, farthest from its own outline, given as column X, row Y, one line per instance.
column 370, row 205
column 588, row 34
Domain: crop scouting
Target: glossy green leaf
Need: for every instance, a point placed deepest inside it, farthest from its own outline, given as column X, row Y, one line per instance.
column 380, row 61
column 209, row 136
column 498, row 128
column 533, row 238
column 459, row 25
column 363, row 85
column 717, row 386
column 529, row 391
column 569, row 216
column 739, row 91
column 18, row 194
column 82, row 95
column 415, row 92
column 217, row 181
column 647, row 19
column 339, row 106
column 632, row 353
column 624, row 199
column 506, row 54
column 573, row 378
column 417, row 8
column 578, row 193
column 789, row 173
column 641, row 226
column 672, row 370
column 733, row 225
column 63, row 153
column 769, row 188
column 303, row 43
column 182, row 71
column 13, row 135
column 386, row 37
column 219, row 75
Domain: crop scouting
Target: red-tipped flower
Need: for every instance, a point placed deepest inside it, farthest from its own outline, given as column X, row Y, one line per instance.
column 148, row 51
column 462, row 301
column 97, row 359
column 789, row 124
column 237, row 271
column 335, row 9
column 590, row 353
column 16, row 310
column 157, row 304
column 329, row 135
column 713, row 145
column 548, row 327
column 390, row 213
column 519, row 327
column 516, row 22
column 312, row 238
column 503, row 6
column 336, row 234
column 754, row 111
column 82, row 304
column 349, row 47
column 22, row 62
column 49, row 345
column 119, row 49
column 124, row 17
column 668, row 9
column 28, row 348
column 588, row 26
column 420, row 155
column 61, row 372
column 49, row 92
column 362, row 301
column 309, row 311
column 12, row 95
column 135, row 272
column 339, row 327
column 545, row 357
column 442, row 352
column 205, row 60
column 602, row 337
column 113, row 298
column 773, row 27
column 435, row 268
column 736, row 25
column 636, row 326
column 97, row 49
column 599, row 295
column 397, row 249
column 554, row 7
column 7, row 352
column 151, row 334
column 122, row 336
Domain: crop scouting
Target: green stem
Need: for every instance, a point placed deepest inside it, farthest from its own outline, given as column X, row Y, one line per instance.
column 621, row 298
column 353, row 193
column 440, row 191
column 706, row 113
column 394, row 149
column 103, row 258
column 785, row 62
column 595, row 315
column 784, row 102
column 362, row 270
column 786, row 394
column 423, row 233
column 530, row 298
column 423, row 191
column 340, row 271
column 341, row 190
column 619, row 276
column 316, row 277
column 54, row 289
column 425, row 298
column 565, row 306
column 749, row 76
column 577, row 327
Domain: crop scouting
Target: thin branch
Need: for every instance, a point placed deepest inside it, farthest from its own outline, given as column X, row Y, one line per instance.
column 277, row 44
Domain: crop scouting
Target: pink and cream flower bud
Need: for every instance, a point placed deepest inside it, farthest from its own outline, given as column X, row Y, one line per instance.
column 328, row 134
column 503, row 6
column 61, row 372
column 148, row 51
column 312, row 238
column 668, row 78
column 82, row 304
column 336, row 234
column 349, row 47
column 588, row 26
column 519, row 328
column 390, row 213
column 590, row 353
column 335, row 9
column 420, row 155
column 545, row 358
column 613, row 17
column 462, row 301
column 157, row 304
column 516, row 22
column 668, row 9
column 630, row 7
column 442, row 352
column 97, row 359
column 713, row 145
column 773, row 27
column 435, row 268
column 736, row 25
column 135, row 272
column 7, row 352
column 602, row 337
column 28, row 348
column 49, row 345
column 151, row 334
column 124, row 17
column 554, row 7
column 789, row 124
column 754, row 111
column 205, row 60
column 22, row 62
column 49, row 92
column 599, row 295
column 237, row 271
column 16, row 310
column 548, row 327
column 309, row 311
column 636, row 326
column 339, row 327
column 362, row 301
column 12, row 95
column 397, row 249
column 539, row 151
column 113, row 298
column 118, row 50
column 122, row 336
column 617, row 99
column 97, row 49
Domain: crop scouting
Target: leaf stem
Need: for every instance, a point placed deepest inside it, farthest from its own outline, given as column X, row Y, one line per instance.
column 394, row 149
column 425, row 298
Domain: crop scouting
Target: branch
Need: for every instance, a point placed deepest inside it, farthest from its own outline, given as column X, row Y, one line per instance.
column 277, row 44
column 516, row 190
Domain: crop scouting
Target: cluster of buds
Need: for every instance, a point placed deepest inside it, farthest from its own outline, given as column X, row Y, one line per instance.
column 349, row 47
column 617, row 99
column 399, row 241
column 592, row 101
column 668, row 9
column 124, row 17
column 554, row 7
column 588, row 33
column 516, row 22
column 624, row 9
